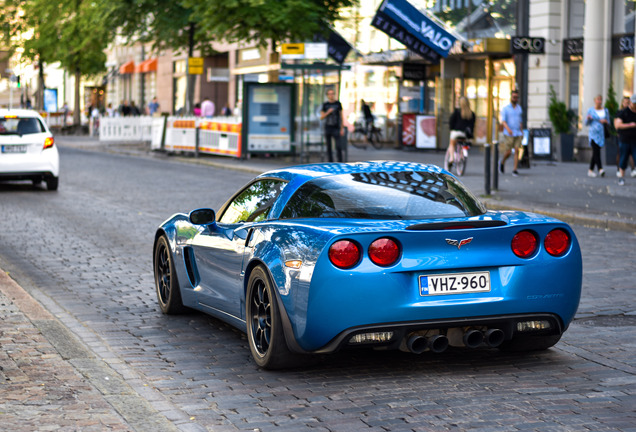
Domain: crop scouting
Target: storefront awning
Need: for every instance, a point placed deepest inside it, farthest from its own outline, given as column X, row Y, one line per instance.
column 145, row 66
column 127, row 68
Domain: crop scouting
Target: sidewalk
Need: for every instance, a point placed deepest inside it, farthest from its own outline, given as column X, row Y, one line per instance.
column 559, row 189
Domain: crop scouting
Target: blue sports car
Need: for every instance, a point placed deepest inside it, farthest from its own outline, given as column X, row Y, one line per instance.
column 390, row 255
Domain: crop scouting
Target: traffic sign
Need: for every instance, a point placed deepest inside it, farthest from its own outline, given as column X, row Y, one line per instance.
column 195, row 65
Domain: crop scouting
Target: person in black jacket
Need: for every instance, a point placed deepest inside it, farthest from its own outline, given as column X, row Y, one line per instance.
column 462, row 125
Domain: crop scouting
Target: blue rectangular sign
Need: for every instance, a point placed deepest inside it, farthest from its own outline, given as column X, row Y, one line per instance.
column 401, row 13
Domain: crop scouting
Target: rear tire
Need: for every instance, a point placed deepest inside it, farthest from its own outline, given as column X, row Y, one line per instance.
column 52, row 183
column 265, row 333
column 356, row 138
column 376, row 139
column 529, row 343
column 460, row 164
column 166, row 282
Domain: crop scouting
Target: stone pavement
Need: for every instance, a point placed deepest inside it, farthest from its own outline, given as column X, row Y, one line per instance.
column 41, row 389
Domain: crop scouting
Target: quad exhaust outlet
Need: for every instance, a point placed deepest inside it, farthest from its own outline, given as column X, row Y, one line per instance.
column 417, row 343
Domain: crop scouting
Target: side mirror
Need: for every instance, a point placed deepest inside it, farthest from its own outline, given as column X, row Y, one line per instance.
column 204, row 216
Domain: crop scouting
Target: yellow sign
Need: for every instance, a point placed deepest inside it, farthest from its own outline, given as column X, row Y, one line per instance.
column 292, row 48
column 195, row 65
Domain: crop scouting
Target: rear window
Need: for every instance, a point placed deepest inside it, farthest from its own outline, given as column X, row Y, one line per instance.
column 20, row 125
column 383, row 195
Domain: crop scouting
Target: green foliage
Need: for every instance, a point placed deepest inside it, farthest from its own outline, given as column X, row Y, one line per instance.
column 612, row 106
column 503, row 11
column 611, row 103
column 178, row 24
column 560, row 116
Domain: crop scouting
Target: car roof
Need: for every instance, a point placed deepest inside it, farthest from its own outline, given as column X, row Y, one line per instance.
column 310, row 171
column 18, row 112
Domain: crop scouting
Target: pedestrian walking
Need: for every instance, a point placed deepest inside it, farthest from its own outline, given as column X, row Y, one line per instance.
column 462, row 125
column 124, row 108
column 513, row 133
column 134, row 110
column 625, row 124
column 597, row 119
column 153, row 106
column 207, row 108
column 624, row 105
column 331, row 113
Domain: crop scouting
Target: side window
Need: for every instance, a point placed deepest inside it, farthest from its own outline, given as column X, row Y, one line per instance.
column 254, row 202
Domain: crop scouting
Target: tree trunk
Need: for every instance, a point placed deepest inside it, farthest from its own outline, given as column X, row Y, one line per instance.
column 190, row 79
column 40, row 94
column 77, row 119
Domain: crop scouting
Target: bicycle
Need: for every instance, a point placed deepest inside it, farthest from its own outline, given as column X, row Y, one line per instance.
column 460, row 158
column 359, row 137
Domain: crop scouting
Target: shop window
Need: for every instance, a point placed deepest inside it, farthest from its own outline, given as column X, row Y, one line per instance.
column 576, row 18
column 624, row 11
column 574, row 87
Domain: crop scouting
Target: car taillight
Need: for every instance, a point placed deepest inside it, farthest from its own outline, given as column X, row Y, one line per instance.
column 384, row 252
column 524, row 244
column 557, row 242
column 344, row 254
column 48, row 143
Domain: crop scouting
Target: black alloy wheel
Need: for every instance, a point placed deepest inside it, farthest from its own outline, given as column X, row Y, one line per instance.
column 265, row 333
column 166, row 284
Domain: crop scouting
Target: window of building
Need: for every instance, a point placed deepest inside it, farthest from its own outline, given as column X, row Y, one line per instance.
column 623, row 21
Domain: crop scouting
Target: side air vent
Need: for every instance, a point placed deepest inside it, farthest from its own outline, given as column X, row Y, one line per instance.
column 456, row 225
column 191, row 266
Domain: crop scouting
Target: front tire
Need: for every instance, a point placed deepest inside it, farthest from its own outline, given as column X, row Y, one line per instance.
column 166, row 282
column 265, row 333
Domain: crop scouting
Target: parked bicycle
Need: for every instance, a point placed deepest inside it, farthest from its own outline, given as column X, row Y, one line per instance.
column 460, row 157
column 360, row 137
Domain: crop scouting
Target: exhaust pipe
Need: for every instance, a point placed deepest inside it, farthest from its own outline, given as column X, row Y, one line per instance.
column 473, row 338
column 438, row 343
column 494, row 337
column 417, row 344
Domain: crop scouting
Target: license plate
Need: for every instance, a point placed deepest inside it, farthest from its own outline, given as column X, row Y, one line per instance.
column 14, row 149
column 455, row 283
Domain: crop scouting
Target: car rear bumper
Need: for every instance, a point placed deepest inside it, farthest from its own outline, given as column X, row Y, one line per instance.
column 511, row 326
column 28, row 166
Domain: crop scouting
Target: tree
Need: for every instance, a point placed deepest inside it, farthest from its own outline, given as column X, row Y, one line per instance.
column 72, row 32
column 192, row 24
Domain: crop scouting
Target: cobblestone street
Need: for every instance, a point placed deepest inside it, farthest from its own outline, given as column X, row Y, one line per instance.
column 91, row 351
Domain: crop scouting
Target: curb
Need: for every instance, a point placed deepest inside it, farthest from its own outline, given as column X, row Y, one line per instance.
column 136, row 411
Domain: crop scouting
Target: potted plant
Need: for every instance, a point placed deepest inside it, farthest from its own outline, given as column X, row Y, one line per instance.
column 611, row 149
column 562, row 120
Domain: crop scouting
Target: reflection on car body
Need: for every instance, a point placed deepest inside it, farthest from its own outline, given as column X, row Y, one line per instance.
column 318, row 258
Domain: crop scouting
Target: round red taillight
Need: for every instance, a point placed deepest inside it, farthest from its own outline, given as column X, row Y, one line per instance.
column 524, row 244
column 384, row 252
column 344, row 254
column 557, row 242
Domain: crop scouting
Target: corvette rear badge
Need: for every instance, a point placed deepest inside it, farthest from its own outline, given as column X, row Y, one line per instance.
column 459, row 243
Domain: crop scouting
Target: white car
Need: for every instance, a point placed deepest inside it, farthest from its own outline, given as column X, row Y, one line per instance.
column 27, row 148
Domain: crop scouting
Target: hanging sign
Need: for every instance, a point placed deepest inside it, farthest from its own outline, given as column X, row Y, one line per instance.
column 527, row 45
column 195, row 65
column 403, row 22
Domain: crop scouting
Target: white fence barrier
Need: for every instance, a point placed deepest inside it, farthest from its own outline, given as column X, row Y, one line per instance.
column 126, row 128
column 218, row 135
